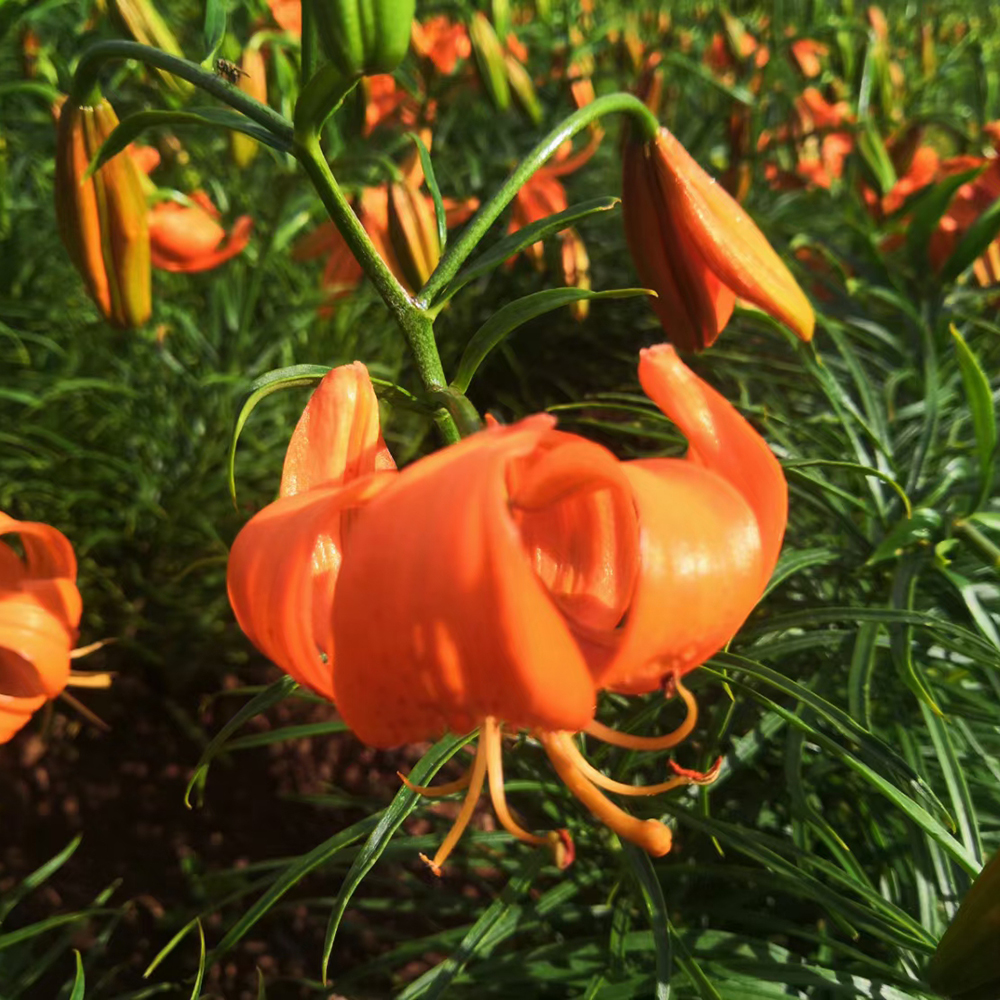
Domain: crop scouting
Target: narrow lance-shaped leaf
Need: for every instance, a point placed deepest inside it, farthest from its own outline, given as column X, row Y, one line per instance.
column 984, row 421
column 215, row 27
column 432, row 186
column 515, row 314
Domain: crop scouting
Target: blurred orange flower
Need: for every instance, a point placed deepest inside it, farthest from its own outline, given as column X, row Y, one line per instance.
column 504, row 581
column 968, row 204
column 39, row 613
column 441, row 40
column 697, row 249
column 806, row 54
column 188, row 238
column 288, row 14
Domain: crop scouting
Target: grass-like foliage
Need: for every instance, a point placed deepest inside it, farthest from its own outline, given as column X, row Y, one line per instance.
column 857, row 712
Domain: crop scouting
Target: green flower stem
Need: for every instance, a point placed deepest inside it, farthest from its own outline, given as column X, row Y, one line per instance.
column 96, row 55
column 416, row 324
column 973, row 535
column 458, row 252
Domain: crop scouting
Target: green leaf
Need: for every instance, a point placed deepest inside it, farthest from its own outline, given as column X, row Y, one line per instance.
column 927, row 208
column 515, row 314
column 904, row 587
column 292, row 875
column 215, row 27
column 977, row 238
column 389, row 822
column 129, row 129
column 907, row 532
column 526, row 237
column 432, row 186
column 875, row 158
column 984, row 420
column 79, row 980
column 287, row 733
column 276, row 692
column 200, row 977
column 41, row 874
column 656, row 906
column 261, row 388
column 503, row 911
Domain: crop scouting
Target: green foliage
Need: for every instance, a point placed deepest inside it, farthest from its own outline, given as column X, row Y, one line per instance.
column 857, row 713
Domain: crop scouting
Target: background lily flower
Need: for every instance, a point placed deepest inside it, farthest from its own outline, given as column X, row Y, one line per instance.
column 504, row 581
column 442, row 41
column 697, row 249
column 188, row 238
column 39, row 613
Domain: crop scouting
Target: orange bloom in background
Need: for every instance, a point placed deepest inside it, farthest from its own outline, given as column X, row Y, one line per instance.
column 288, row 14
column 697, row 249
column 807, row 55
column 544, row 194
column 504, row 581
column 441, row 40
column 923, row 169
column 968, row 204
column 816, row 113
column 188, row 238
column 387, row 103
column 39, row 613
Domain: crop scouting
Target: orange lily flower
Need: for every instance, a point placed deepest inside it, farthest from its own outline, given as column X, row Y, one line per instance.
column 504, row 581
column 188, row 238
column 39, row 613
column 806, row 54
column 387, row 102
column 969, row 202
column 697, row 249
column 442, row 41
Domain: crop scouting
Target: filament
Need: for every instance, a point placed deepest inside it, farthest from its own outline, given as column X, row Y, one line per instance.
column 477, row 775
column 619, row 739
column 572, row 752
column 490, row 737
column 649, row 834
column 437, row 791
column 90, row 716
column 75, row 654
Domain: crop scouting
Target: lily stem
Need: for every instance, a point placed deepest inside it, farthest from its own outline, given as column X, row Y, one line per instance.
column 459, row 251
column 416, row 324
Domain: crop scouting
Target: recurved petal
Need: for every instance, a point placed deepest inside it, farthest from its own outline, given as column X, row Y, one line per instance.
column 700, row 573
column 338, row 437
column 722, row 441
column 282, row 576
column 15, row 712
column 48, row 569
column 34, row 647
column 441, row 619
column 728, row 240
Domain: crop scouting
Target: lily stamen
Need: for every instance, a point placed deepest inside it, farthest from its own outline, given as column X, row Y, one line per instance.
column 477, row 776
column 619, row 739
column 437, row 791
column 490, row 738
column 649, row 834
column 572, row 752
column 89, row 679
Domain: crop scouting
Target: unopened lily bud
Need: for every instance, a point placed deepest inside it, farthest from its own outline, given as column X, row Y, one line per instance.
column 966, row 965
column 253, row 81
column 523, row 88
column 696, row 247
column 364, row 37
column 146, row 25
column 102, row 219
column 576, row 270
column 413, row 233
column 490, row 60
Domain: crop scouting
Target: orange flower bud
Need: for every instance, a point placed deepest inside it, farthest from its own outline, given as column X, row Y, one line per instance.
column 413, row 233
column 576, row 270
column 102, row 220
column 39, row 613
column 697, row 249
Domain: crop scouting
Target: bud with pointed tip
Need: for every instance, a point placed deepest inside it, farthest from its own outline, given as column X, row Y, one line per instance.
column 695, row 246
column 364, row 37
column 102, row 219
column 252, row 82
column 413, row 233
column 146, row 25
column 490, row 60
